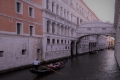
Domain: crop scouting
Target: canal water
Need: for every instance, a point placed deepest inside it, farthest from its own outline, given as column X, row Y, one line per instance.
column 98, row 66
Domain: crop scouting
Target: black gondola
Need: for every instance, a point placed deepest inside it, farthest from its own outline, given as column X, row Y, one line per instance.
column 46, row 68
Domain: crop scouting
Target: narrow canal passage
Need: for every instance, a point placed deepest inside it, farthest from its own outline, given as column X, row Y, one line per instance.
column 99, row 66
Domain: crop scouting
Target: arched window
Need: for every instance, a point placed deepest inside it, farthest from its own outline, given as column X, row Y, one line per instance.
column 53, row 27
column 57, row 9
column 81, row 20
column 67, row 14
column 52, row 6
column 48, row 26
column 47, row 4
column 61, row 11
column 64, row 13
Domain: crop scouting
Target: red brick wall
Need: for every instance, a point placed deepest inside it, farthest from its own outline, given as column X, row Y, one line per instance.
column 8, row 7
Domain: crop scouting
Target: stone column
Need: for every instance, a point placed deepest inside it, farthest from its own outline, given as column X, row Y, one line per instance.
column 60, row 29
column 56, row 28
column 50, row 27
column 67, row 31
column 70, row 32
column 64, row 30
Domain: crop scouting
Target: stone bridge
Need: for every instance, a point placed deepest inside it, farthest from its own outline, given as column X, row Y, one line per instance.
column 96, row 28
column 91, row 36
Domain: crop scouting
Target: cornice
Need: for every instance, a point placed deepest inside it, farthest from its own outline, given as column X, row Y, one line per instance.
column 33, row 4
column 68, row 21
column 89, row 9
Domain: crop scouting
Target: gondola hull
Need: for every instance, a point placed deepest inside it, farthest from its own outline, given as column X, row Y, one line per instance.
column 47, row 69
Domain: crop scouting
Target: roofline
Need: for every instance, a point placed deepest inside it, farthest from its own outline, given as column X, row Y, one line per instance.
column 89, row 9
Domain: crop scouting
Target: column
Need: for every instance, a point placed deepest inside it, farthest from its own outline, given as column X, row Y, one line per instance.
column 70, row 32
column 56, row 28
column 60, row 29
column 50, row 27
column 65, row 30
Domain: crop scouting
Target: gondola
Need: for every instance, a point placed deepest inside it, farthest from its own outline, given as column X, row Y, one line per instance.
column 47, row 68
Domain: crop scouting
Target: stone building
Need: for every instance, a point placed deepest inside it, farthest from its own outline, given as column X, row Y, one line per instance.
column 93, row 36
column 117, row 28
column 60, row 21
column 21, row 32
column 43, row 29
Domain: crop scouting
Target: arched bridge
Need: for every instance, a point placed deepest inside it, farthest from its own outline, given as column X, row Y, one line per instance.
column 96, row 27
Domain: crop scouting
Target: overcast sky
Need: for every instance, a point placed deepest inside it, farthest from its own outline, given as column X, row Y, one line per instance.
column 104, row 9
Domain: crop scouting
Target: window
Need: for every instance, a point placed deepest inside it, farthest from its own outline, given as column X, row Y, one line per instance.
column 31, row 30
column 53, row 27
column 53, row 41
column 78, row 20
column 61, row 11
column 67, row 14
column 65, row 41
column 65, row 47
column 58, row 29
column 19, row 7
column 61, row 41
column 38, row 53
column 31, row 12
column 47, row 3
column 89, row 29
column 103, row 28
column 19, row 28
column 48, row 41
column 52, row 6
column 81, row 20
column 38, row 50
column 48, row 25
column 57, row 41
column 1, row 53
column 57, row 9
column 23, row 51
column 64, row 13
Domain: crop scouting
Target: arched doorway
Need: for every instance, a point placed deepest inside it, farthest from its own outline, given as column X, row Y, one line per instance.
column 72, row 48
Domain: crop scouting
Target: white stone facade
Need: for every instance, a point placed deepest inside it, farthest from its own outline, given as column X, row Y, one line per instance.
column 96, row 27
column 60, row 21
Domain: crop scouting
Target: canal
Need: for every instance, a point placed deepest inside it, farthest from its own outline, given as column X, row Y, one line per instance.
column 99, row 66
